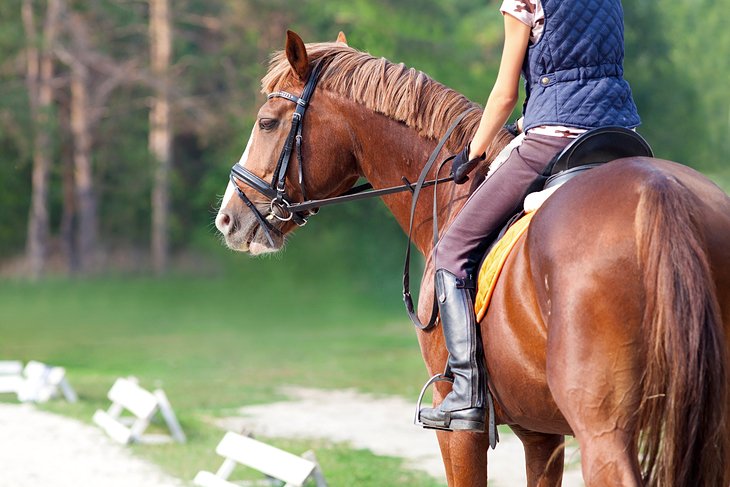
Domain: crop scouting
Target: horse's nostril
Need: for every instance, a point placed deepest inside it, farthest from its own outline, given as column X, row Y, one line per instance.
column 223, row 223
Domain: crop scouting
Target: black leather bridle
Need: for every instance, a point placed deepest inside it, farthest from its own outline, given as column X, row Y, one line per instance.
column 281, row 208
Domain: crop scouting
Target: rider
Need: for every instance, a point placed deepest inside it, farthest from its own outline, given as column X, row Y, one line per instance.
column 570, row 53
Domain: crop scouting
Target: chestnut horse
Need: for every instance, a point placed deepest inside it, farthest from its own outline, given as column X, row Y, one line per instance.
column 611, row 323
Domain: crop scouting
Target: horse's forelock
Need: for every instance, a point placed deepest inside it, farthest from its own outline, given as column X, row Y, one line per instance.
column 403, row 94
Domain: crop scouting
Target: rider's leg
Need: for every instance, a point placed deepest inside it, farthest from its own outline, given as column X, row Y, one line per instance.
column 455, row 256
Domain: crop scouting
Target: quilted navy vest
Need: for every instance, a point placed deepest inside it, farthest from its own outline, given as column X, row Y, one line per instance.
column 574, row 72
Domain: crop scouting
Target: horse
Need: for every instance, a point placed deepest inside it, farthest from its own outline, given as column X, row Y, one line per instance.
column 611, row 323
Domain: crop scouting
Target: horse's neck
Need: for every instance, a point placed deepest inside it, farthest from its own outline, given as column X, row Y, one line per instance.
column 388, row 151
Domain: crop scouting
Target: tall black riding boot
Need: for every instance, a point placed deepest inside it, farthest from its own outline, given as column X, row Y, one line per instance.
column 463, row 408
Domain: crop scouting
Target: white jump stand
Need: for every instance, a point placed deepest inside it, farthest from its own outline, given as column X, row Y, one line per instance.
column 270, row 461
column 127, row 396
column 36, row 382
column 43, row 382
column 11, row 376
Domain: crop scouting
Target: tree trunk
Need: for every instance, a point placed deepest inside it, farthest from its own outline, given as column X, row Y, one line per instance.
column 67, row 229
column 160, row 139
column 89, row 93
column 83, row 178
column 39, row 76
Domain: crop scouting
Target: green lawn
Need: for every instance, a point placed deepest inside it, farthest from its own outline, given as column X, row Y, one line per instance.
column 221, row 342
column 310, row 317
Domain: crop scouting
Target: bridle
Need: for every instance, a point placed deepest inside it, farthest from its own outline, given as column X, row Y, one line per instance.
column 281, row 208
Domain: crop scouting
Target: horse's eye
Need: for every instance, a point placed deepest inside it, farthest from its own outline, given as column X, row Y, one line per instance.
column 268, row 123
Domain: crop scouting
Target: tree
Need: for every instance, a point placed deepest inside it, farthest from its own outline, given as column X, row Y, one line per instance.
column 39, row 77
column 160, row 138
column 85, row 202
column 93, row 77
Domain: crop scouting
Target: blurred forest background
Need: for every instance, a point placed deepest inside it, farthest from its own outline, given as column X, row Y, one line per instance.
column 115, row 114
column 118, row 117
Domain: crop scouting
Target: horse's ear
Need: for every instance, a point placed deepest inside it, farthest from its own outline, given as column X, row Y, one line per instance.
column 341, row 38
column 296, row 53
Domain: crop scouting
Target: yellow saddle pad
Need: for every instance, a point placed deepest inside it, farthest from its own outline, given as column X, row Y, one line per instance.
column 493, row 264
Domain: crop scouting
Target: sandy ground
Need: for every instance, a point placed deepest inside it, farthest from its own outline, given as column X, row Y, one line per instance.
column 43, row 449
column 383, row 425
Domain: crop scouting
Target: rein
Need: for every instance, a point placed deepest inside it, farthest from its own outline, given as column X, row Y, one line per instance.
column 282, row 209
column 421, row 183
column 360, row 192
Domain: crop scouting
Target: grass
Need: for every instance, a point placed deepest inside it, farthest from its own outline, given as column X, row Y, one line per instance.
column 315, row 317
column 221, row 342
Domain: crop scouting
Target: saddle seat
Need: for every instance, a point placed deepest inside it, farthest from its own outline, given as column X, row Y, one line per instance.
column 592, row 149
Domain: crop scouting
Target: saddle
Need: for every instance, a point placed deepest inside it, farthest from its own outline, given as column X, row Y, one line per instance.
column 592, row 149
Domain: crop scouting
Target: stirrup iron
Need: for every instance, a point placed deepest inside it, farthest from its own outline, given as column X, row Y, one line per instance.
column 492, row 420
column 417, row 419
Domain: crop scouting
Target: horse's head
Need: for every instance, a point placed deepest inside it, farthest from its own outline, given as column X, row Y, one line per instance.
column 300, row 148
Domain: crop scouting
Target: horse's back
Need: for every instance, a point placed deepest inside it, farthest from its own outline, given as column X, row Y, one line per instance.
column 596, row 213
column 574, row 295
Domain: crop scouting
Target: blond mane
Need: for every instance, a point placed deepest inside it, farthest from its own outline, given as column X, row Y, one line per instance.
column 403, row 94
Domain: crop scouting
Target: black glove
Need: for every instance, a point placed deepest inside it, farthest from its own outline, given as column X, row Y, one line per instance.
column 461, row 165
column 513, row 128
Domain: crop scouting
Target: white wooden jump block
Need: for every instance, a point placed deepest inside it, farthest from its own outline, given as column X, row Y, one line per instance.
column 43, row 382
column 128, row 397
column 36, row 382
column 270, row 461
column 11, row 376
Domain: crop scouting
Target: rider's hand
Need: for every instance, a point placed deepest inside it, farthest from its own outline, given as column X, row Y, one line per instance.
column 515, row 128
column 462, row 165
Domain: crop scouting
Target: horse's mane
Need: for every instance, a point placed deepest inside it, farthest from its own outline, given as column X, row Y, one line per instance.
column 403, row 94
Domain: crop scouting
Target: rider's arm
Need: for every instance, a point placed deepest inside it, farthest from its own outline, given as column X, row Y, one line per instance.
column 505, row 92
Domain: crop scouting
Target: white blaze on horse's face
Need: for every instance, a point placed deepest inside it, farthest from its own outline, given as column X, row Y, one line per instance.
column 230, row 190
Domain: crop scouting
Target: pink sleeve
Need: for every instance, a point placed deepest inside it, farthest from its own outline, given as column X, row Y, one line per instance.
column 522, row 10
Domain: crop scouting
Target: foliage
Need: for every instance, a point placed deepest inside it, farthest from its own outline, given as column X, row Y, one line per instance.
column 677, row 59
column 332, row 300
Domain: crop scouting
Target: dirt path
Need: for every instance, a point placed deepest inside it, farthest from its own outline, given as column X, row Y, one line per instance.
column 43, row 449
column 383, row 425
